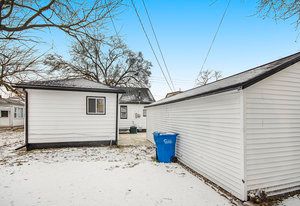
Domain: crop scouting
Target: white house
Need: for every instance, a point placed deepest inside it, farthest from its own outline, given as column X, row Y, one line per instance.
column 71, row 112
column 11, row 112
column 241, row 132
column 132, row 111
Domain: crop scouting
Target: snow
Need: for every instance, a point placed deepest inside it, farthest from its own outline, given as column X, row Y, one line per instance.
column 97, row 176
column 292, row 201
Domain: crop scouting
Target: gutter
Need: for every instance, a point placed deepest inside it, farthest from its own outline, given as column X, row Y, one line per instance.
column 20, row 147
column 26, row 118
column 26, row 122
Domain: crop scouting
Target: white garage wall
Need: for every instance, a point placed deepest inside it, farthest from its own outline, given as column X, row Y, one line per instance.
column 60, row 116
column 210, row 140
column 131, row 120
column 273, row 132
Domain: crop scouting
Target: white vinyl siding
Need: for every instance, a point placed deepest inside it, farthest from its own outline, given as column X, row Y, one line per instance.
column 134, row 116
column 210, row 136
column 60, row 116
column 273, row 132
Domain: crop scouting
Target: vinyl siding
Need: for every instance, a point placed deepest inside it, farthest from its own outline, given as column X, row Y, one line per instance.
column 60, row 116
column 273, row 132
column 131, row 120
column 211, row 136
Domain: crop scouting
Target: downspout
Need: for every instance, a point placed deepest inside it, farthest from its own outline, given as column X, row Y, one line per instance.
column 117, row 118
column 26, row 122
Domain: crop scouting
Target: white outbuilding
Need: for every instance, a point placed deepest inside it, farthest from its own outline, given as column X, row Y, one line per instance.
column 71, row 112
column 241, row 132
column 11, row 112
column 132, row 111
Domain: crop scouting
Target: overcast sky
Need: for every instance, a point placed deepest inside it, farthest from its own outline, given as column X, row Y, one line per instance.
column 185, row 30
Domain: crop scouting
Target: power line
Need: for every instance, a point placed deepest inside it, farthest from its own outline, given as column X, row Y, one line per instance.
column 158, row 45
column 149, row 42
column 214, row 38
column 112, row 21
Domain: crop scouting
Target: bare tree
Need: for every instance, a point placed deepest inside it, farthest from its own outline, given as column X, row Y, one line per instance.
column 70, row 16
column 16, row 64
column 108, row 61
column 207, row 76
column 280, row 9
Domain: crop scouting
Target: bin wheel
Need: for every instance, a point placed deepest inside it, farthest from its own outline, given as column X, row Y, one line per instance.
column 174, row 159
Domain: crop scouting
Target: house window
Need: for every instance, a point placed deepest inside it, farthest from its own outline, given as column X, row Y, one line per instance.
column 123, row 112
column 95, row 105
column 19, row 112
column 144, row 112
column 4, row 113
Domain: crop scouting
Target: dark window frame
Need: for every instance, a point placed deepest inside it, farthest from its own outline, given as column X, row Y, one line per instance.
column 121, row 111
column 6, row 112
column 144, row 112
column 87, row 105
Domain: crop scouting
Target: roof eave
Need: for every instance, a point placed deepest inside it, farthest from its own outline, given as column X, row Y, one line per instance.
column 270, row 73
column 217, row 91
column 24, row 86
column 135, row 102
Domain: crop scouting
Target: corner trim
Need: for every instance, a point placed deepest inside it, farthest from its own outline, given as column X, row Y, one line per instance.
column 26, row 118
column 117, row 118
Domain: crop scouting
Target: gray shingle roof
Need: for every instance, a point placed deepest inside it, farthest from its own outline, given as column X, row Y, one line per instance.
column 136, row 96
column 76, row 84
column 238, row 81
column 11, row 101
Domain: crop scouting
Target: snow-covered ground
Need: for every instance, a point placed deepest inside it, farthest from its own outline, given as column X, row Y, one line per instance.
column 98, row 176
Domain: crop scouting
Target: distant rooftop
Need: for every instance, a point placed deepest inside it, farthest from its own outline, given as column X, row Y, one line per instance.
column 11, row 101
column 136, row 96
column 76, row 84
column 238, row 81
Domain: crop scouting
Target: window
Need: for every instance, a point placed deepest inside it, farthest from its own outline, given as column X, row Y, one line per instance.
column 96, row 105
column 19, row 112
column 144, row 113
column 123, row 112
column 4, row 113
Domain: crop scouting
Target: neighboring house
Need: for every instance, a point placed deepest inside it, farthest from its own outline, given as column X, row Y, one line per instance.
column 11, row 112
column 241, row 132
column 170, row 94
column 72, row 112
column 132, row 111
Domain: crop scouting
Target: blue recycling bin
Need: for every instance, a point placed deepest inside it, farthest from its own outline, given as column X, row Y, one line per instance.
column 165, row 146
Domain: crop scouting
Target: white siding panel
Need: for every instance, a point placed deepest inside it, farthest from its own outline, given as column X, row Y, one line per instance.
column 60, row 116
column 132, row 119
column 273, row 132
column 210, row 140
